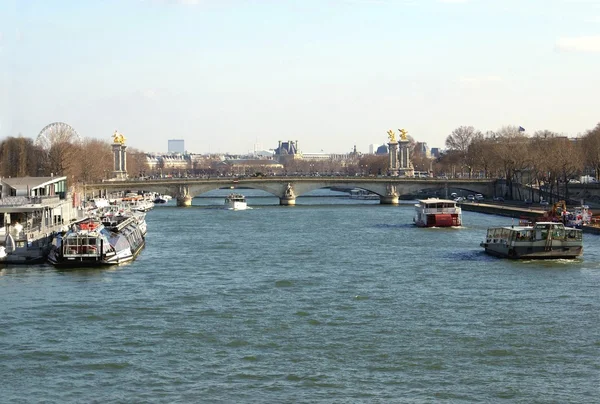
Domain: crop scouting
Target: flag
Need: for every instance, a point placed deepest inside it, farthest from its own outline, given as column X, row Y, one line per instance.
column 521, row 129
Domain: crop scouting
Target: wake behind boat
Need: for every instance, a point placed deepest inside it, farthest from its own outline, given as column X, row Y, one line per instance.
column 113, row 240
column 236, row 202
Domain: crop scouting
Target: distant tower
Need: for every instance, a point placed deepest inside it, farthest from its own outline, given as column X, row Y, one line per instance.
column 120, row 157
column 177, row 146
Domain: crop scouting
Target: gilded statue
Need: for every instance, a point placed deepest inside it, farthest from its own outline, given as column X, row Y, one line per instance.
column 392, row 136
column 118, row 138
column 403, row 133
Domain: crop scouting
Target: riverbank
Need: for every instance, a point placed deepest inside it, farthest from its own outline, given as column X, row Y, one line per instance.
column 515, row 212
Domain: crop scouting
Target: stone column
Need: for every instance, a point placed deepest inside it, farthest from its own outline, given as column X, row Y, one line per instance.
column 406, row 167
column 120, row 166
column 393, row 159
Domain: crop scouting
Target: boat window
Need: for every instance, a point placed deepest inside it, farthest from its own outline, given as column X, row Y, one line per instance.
column 558, row 232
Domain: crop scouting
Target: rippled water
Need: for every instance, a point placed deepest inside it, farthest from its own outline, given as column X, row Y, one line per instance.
column 333, row 300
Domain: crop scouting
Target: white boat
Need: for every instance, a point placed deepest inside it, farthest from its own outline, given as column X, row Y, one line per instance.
column 363, row 194
column 236, row 202
column 91, row 243
column 434, row 212
column 542, row 240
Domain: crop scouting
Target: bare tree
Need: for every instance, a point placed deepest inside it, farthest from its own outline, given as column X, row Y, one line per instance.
column 459, row 141
column 591, row 147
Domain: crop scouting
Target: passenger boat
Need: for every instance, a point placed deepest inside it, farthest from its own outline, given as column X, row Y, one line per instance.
column 31, row 213
column 363, row 194
column 434, row 212
column 160, row 199
column 542, row 240
column 236, row 202
column 114, row 240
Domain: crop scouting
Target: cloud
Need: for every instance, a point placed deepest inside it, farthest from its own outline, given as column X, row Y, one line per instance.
column 588, row 44
column 453, row 1
column 595, row 19
column 479, row 79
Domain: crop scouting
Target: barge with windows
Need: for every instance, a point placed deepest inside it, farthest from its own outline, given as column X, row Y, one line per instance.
column 542, row 240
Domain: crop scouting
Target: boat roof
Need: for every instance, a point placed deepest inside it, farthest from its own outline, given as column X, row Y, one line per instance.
column 530, row 227
column 31, row 182
column 436, row 200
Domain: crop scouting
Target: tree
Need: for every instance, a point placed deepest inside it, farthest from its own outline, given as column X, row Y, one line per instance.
column 591, row 149
column 459, row 141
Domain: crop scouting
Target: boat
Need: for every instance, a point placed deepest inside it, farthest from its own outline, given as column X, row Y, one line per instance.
column 236, row 202
column 434, row 212
column 31, row 213
column 577, row 216
column 137, row 202
column 541, row 240
column 113, row 240
column 160, row 199
column 363, row 194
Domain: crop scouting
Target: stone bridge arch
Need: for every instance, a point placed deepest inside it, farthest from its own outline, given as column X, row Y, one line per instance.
column 288, row 188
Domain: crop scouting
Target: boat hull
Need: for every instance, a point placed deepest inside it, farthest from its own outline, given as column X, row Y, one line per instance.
column 439, row 220
column 94, row 261
column 533, row 252
column 36, row 253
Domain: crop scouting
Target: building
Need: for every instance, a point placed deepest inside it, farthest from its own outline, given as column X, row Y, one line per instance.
column 286, row 151
column 177, row 146
column 422, row 149
column 373, row 148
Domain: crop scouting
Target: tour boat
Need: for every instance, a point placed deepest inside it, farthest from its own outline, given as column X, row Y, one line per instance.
column 236, row 202
column 542, row 240
column 91, row 242
column 434, row 212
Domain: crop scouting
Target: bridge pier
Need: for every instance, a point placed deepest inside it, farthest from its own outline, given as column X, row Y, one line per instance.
column 183, row 196
column 287, row 201
column 289, row 196
column 391, row 196
column 389, row 200
column 184, row 201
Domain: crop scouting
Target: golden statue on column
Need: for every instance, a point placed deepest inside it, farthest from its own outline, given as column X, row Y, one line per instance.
column 392, row 136
column 403, row 133
column 118, row 138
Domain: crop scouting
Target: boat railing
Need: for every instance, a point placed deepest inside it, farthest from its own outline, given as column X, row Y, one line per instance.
column 29, row 200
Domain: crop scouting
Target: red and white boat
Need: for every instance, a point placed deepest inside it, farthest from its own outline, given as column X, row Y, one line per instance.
column 434, row 212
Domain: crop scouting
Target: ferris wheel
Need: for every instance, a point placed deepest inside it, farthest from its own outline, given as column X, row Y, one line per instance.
column 57, row 132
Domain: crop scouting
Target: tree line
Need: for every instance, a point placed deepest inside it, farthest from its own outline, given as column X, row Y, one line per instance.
column 88, row 161
column 544, row 159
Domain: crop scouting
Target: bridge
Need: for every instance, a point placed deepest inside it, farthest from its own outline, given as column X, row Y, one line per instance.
column 287, row 189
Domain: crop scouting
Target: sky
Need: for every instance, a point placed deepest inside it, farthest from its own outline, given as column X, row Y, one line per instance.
column 235, row 75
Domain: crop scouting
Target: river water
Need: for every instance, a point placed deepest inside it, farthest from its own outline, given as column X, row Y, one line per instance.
column 333, row 300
